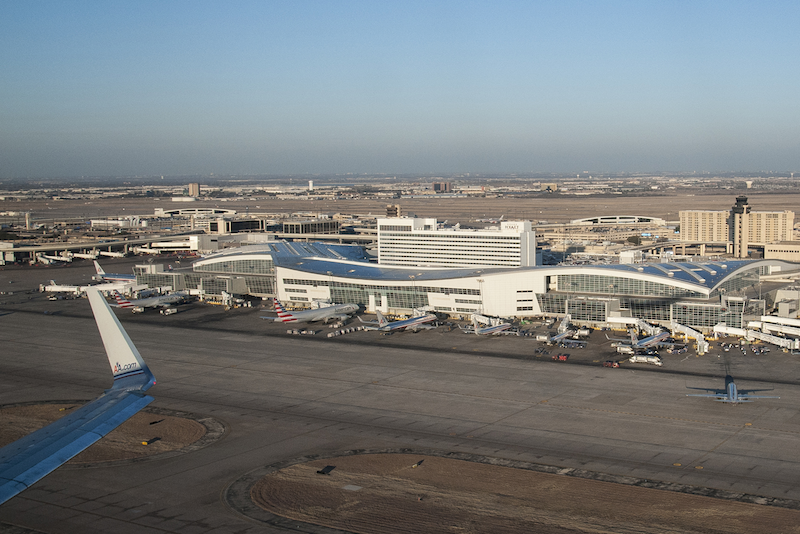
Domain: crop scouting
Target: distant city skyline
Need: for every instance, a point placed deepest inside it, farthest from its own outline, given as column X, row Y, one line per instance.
column 270, row 88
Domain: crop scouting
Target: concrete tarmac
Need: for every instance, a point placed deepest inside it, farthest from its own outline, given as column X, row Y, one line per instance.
column 283, row 397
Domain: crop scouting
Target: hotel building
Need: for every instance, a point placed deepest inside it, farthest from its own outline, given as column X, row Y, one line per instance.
column 413, row 242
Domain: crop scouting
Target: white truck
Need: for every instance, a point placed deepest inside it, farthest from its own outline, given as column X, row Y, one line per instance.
column 641, row 358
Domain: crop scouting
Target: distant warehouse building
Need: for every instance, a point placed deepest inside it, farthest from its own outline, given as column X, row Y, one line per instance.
column 416, row 242
column 324, row 226
column 785, row 250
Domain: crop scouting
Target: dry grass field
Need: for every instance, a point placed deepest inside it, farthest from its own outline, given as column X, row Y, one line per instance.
column 383, row 493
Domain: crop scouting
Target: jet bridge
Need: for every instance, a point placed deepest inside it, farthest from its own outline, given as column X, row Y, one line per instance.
column 702, row 344
column 768, row 327
column 490, row 321
column 750, row 335
column 780, row 328
column 780, row 320
column 644, row 326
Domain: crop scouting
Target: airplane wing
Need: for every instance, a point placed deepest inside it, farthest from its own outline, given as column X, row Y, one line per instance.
column 27, row 460
column 31, row 458
column 420, row 327
column 745, row 395
column 667, row 344
column 749, row 391
column 710, row 392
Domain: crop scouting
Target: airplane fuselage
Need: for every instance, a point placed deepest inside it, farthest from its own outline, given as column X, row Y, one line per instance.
column 408, row 323
column 319, row 314
column 489, row 330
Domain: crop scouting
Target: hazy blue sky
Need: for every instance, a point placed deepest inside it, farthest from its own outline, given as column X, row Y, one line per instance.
column 174, row 87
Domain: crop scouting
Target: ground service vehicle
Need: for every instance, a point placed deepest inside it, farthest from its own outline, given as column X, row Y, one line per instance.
column 639, row 358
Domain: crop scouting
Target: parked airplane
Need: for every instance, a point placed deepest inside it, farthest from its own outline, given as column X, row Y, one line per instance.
column 414, row 323
column 160, row 301
column 560, row 338
column 572, row 343
column 48, row 259
column 654, row 341
column 491, row 221
column 338, row 312
column 111, row 277
column 731, row 394
column 31, row 458
column 492, row 329
column 79, row 290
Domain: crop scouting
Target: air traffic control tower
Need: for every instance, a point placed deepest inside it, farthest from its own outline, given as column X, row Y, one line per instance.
column 739, row 227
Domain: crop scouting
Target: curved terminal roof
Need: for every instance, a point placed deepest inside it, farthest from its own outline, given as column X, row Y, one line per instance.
column 280, row 249
column 704, row 275
column 373, row 271
column 351, row 261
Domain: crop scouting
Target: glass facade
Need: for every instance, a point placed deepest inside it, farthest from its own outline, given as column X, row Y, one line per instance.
column 262, row 286
column 552, row 303
column 587, row 309
column 258, row 275
column 618, row 285
column 701, row 316
column 251, row 266
column 648, row 309
column 394, row 296
column 745, row 278
column 174, row 280
column 215, row 286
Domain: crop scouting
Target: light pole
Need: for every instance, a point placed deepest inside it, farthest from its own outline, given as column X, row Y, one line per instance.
column 413, row 293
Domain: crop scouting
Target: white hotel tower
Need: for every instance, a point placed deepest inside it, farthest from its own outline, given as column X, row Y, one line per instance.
column 419, row 243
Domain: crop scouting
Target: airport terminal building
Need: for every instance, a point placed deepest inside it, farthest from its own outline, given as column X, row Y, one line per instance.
column 699, row 295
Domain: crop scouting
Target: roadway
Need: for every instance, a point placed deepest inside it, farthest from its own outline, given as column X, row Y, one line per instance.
column 283, row 397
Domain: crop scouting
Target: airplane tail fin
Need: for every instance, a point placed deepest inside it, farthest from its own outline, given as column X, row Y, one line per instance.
column 98, row 268
column 634, row 339
column 381, row 319
column 283, row 315
column 122, row 302
column 475, row 326
column 127, row 365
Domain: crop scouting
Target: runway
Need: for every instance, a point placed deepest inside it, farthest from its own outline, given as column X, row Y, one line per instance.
column 282, row 397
